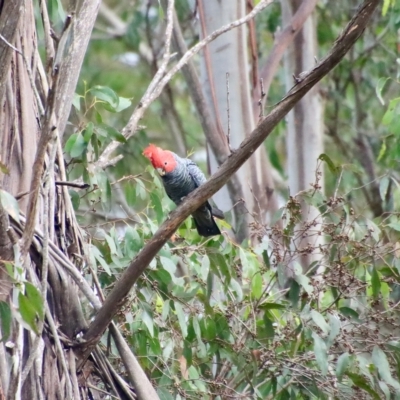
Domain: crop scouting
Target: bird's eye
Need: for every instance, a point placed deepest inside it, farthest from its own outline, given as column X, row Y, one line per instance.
column 165, row 163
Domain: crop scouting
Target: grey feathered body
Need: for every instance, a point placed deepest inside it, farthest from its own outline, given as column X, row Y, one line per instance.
column 185, row 178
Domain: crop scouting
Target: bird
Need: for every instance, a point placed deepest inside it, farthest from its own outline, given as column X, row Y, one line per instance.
column 180, row 176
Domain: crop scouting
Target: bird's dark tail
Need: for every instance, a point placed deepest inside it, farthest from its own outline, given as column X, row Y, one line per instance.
column 205, row 223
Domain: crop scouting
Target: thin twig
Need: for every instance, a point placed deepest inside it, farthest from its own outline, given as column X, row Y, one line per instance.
column 49, row 46
column 228, row 109
column 73, row 184
column 167, row 48
column 261, row 101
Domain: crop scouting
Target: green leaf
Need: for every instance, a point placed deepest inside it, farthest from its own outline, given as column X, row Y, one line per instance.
column 302, row 279
column 382, row 151
column 321, row 355
column 181, row 318
column 111, row 244
column 349, row 312
column 329, row 162
column 334, row 328
column 35, row 297
column 342, row 364
column 76, row 102
column 158, row 208
column 320, row 321
column 130, row 195
column 105, row 94
column 383, row 187
column 75, row 199
column 390, row 112
column 269, row 327
column 379, row 87
column 219, row 266
column 110, row 132
column 205, row 267
column 4, row 169
column 385, row 389
column 272, row 306
column 374, row 229
column 140, row 190
column 381, row 363
column 105, row 190
column 394, row 345
column 78, row 146
column 362, row 383
column 96, row 255
column 164, row 393
column 235, row 287
column 123, row 104
column 257, row 285
column 88, row 132
column 28, row 312
column 386, row 5
column 395, row 226
column 211, row 330
column 5, row 320
column 10, row 204
column 375, row 282
column 148, row 321
column 133, row 241
column 169, row 265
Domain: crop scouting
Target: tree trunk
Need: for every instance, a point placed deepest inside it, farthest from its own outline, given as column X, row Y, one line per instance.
column 225, row 62
column 304, row 123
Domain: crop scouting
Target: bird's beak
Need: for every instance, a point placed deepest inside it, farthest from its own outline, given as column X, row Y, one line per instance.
column 161, row 171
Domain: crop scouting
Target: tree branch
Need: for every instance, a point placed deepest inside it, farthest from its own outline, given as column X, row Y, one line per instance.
column 49, row 129
column 115, row 299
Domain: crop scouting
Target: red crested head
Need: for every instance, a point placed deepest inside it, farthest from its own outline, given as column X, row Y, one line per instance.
column 162, row 160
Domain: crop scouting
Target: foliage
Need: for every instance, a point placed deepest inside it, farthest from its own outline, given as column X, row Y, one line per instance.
column 210, row 318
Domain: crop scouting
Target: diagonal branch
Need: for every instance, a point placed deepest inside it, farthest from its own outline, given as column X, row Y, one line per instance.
column 115, row 299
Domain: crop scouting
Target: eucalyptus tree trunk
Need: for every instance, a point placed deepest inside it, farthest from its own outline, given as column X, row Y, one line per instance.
column 226, row 82
column 304, row 122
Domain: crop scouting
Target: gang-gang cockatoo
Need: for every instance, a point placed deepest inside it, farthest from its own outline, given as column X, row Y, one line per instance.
column 181, row 176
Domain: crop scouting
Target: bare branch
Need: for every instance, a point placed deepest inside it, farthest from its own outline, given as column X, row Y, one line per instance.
column 49, row 129
column 116, row 298
column 138, row 378
column 228, row 109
